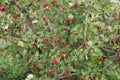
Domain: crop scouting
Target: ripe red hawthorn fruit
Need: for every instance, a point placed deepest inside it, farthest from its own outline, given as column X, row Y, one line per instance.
column 84, row 44
column 18, row 15
column 99, row 58
column 96, row 74
column 68, row 71
column 33, row 43
column 62, row 8
column 45, row 5
column 53, row 2
column 44, row 62
column 45, row 39
column 68, row 19
column 64, row 44
column 59, row 55
column 36, row 67
column 2, row 8
column 44, row 47
column 64, row 52
column 79, row 79
column 54, row 61
column 57, row 40
column 15, row 17
column 90, row 78
column 97, row 26
column 50, row 71
column 76, row 4
column 44, row 18
column 58, row 34
column 43, row 27
column 114, row 16
column 91, row 49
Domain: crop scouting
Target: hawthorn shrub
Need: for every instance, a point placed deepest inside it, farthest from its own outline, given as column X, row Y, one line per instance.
column 59, row 40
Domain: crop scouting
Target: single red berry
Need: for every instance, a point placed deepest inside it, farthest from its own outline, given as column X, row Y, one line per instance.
column 64, row 44
column 44, row 62
column 97, row 26
column 50, row 71
column 36, row 67
column 59, row 55
column 96, row 74
column 76, row 4
column 43, row 27
column 18, row 15
column 44, row 18
column 45, row 5
column 84, row 44
column 58, row 34
column 15, row 17
column 64, row 52
column 65, row 29
column 79, row 79
column 68, row 71
column 77, row 65
column 68, row 20
column 99, row 58
column 44, row 47
column 53, row 2
column 45, row 39
column 33, row 43
column 90, row 78
column 62, row 8
column 91, row 49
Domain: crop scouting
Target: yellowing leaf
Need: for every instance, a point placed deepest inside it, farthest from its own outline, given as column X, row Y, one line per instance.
column 81, row 50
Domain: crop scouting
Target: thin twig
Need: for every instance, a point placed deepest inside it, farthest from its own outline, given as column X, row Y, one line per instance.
column 86, row 24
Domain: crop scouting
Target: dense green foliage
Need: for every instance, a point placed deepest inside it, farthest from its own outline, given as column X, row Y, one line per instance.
column 59, row 40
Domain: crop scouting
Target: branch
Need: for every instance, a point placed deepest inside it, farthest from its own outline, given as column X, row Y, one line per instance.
column 28, row 19
column 86, row 24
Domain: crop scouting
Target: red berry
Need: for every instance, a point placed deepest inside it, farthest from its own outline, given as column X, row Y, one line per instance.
column 45, row 5
column 43, row 27
column 96, row 74
column 91, row 49
column 54, row 62
column 58, row 34
column 53, row 2
column 64, row 52
column 62, row 8
column 79, row 79
column 33, row 43
column 44, row 62
column 68, row 20
column 64, row 44
column 44, row 47
column 84, row 44
column 90, row 78
column 50, row 71
column 57, row 40
column 97, row 26
column 99, row 58
column 15, row 17
column 18, row 15
column 45, row 39
column 76, row 4
column 36, row 67
column 44, row 18
column 2, row 8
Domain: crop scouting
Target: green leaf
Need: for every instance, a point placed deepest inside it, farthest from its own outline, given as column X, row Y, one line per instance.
column 3, row 44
